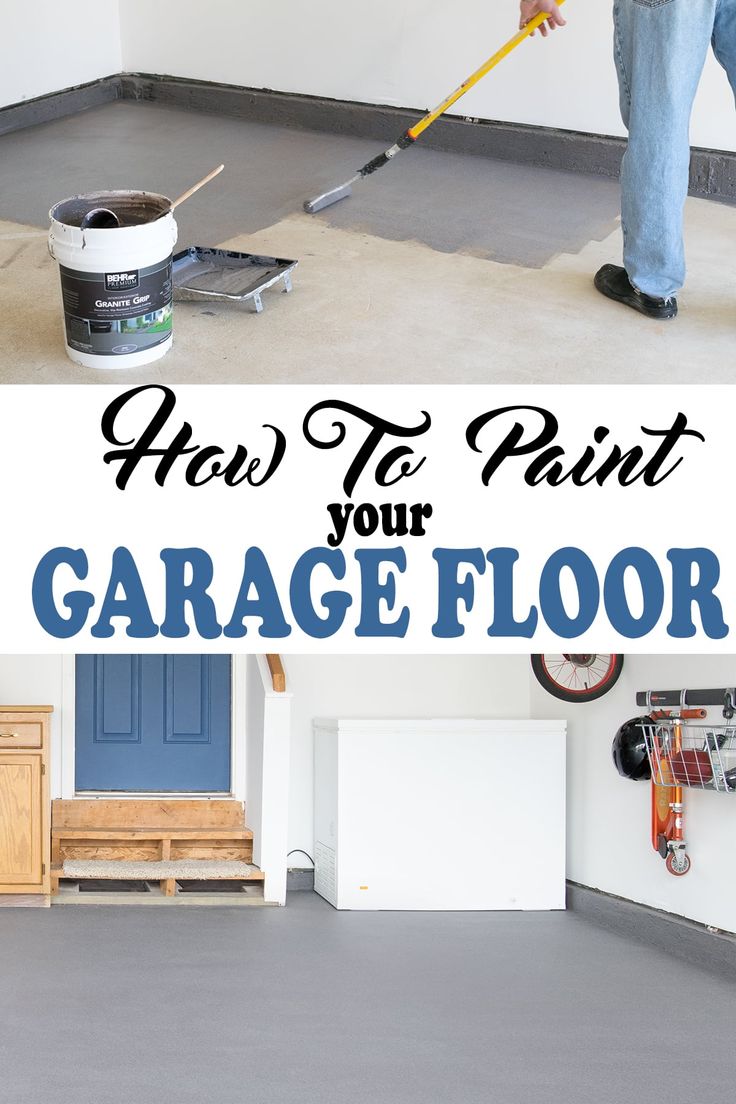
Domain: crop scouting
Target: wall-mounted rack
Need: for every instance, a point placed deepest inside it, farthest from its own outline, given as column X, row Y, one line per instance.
column 685, row 753
column 725, row 697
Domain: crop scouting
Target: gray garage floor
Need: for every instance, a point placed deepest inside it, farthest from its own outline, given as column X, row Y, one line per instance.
column 443, row 268
column 111, row 1005
column 448, row 202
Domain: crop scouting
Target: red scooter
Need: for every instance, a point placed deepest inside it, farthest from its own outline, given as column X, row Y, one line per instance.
column 685, row 754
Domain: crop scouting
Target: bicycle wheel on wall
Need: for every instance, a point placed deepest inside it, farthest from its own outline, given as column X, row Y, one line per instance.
column 577, row 678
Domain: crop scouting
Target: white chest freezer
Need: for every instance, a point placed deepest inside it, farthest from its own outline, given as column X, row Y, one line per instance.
column 440, row 814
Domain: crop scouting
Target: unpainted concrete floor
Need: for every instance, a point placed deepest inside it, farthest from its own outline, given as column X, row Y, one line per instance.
column 110, row 1005
column 442, row 268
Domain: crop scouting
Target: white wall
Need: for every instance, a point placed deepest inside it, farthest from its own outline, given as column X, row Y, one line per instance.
column 609, row 833
column 36, row 680
column 406, row 53
column 351, row 687
column 333, row 686
column 47, row 46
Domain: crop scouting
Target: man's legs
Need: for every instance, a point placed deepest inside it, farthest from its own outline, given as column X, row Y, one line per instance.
column 724, row 38
column 660, row 50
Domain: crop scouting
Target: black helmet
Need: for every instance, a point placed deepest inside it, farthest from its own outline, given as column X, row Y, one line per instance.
column 630, row 750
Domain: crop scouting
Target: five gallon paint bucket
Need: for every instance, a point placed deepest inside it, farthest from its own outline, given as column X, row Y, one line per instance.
column 114, row 252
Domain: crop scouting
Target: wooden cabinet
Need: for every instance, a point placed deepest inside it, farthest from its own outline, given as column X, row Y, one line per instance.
column 25, row 861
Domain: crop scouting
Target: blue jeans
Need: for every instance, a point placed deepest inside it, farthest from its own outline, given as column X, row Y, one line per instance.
column 660, row 48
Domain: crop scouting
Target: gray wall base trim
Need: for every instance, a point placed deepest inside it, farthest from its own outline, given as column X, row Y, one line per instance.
column 503, row 141
column 299, row 879
column 44, row 109
column 676, row 937
column 712, row 172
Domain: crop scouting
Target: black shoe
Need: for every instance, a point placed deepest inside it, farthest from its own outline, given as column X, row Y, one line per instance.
column 613, row 282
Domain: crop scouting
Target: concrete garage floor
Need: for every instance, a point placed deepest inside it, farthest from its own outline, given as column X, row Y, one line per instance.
column 443, row 268
column 110, row 1005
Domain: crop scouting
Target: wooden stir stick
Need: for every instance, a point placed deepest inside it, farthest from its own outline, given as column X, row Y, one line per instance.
column 195, row 187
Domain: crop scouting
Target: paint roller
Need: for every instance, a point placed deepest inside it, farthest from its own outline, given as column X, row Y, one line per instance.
column 327, row 199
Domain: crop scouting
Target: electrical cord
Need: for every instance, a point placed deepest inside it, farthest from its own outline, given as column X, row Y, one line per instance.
column 299, row 851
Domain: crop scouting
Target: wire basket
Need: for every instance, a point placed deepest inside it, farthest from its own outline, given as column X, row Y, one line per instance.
column 700, row 756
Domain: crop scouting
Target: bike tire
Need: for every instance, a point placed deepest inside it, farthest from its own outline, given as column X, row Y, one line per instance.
column 556, row 675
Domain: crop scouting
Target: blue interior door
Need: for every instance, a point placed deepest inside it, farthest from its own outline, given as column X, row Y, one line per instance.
column 158, row 723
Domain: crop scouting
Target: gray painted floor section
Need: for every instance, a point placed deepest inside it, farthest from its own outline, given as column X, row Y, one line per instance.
column 448, row 201
column 113, row 1005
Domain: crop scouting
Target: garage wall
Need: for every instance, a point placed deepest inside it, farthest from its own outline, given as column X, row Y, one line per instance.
column 406, row 53
column 47, row 46
column 333, row 686
column 609, row 817
column 608, row 827
column 360, row 687
column 36, row 680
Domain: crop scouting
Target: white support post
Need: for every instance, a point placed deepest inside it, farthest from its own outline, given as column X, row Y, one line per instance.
column 63, row 779
column 275, row 797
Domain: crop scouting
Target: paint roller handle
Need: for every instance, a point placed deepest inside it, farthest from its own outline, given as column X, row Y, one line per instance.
column 195, row 187
column 526, row 30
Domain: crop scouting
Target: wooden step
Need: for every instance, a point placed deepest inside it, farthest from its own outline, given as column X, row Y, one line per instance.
column 151, row 843
column 106, row 812
column 150, row 833
column 190, row 870
column 167, row 873
column 149, row 830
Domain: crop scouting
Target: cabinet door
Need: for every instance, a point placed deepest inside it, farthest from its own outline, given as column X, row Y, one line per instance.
column 21, row 823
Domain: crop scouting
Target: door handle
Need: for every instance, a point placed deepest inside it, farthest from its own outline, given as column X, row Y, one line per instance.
column 9, row 736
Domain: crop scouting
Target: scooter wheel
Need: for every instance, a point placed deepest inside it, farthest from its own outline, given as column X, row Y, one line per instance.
column 678, row 871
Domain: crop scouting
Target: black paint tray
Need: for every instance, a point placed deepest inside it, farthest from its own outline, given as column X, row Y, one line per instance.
column 200, row 273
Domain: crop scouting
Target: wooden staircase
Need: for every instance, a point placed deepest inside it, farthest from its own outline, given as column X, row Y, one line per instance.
column 152, row 840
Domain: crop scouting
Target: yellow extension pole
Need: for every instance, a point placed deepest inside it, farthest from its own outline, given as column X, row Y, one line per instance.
column 409, row 137
column 478, row 76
